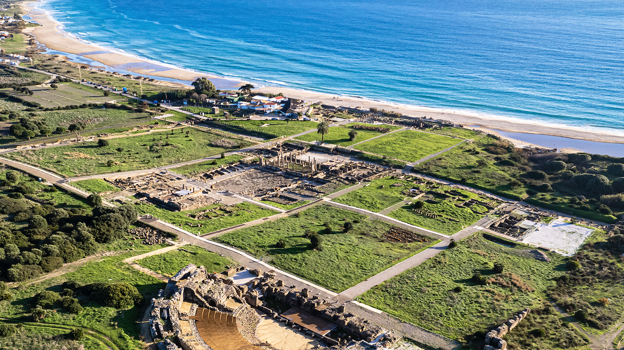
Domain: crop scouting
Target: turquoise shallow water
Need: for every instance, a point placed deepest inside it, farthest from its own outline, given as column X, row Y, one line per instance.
column 559, row 61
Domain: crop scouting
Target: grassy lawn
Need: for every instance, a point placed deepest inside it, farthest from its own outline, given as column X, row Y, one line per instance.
column 242, row 213
column 339, row 135
column 456, row 132
column 445, row 225
column 286, row 206
column 207, row 112
column 392, row 163
column 378, row 195
column 138, row 152
column 427, row 295
column 119, row 325
column 198, row 168
column 95, row 186
column 408, row 145
column 275, row 128
column 169, row 263
column 345, row 259
column 16, row 44
column 66, row 94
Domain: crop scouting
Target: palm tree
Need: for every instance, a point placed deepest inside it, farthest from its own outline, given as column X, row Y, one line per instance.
column 246, row 89
column 322, row 128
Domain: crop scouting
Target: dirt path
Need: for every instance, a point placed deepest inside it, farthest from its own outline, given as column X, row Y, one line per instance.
column 131, row 261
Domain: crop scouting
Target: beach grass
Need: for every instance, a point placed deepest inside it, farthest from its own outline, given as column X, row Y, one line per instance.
column 273, row 128
column 128, row 153
column 95, row 186
column 408, row 145
column 218, row 219
column 345, row 259
column 198, row 168
column 339, row 135
column 440, row 296
column 169, row 263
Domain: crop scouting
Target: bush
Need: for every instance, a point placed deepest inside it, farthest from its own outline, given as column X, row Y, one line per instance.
column 579, row 158
column 616, row 169
column 419, row 204
column 581, row 315
column 498, row 268
column 51, row 263
column 599, row 185
column 545, row 187
column 573, row 265
column 281, row 244
column 604, row 209
column 7, row 330
column 309, row 233
column 537, row 175
column 477, row 278
column 47, row 298
column 315, row 242
column 452, row 244
column 618, row 185
column 103, row 143
column 76, row 334
column 328, row 230
column 119, row 295
column 348, row 226
column 556, row 166
column 458, row 289
column 538, row 333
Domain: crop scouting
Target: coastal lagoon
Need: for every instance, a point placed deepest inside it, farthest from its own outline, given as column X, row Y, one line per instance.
column 545, row 60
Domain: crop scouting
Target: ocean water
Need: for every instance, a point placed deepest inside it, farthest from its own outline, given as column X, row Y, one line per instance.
column 558, row 61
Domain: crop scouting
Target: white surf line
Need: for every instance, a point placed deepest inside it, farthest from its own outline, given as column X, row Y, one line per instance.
column 333, row 294
column 352, row 208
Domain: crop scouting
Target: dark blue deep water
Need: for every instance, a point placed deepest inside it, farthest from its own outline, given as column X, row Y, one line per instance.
column 559, row 61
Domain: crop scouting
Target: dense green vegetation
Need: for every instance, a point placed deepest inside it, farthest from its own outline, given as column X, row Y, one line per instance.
column 208, row 219
column 338, row 260
column 169, row 263
column 198, row 168
column 463, row 217
column 441, row 294
column 577, row 184
column 392, row 163
column 378, row 195
column 95, row 186
column 130, row 153
column 339, row 135
column 274, row 128
column 408, row 145
column 65, row 94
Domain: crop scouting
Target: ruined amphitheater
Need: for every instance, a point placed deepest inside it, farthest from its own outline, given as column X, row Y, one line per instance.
column 225, row 311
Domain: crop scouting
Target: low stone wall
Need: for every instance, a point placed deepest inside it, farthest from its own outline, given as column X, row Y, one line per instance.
column 494, row 338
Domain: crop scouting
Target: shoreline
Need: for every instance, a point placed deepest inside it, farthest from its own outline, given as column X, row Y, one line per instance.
column 53, row 38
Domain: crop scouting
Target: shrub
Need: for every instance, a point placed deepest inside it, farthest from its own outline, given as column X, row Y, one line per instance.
column 77, row 333
column 573, row 265
column 603, row 301
column 616, row 169
column 95, row 200
column 581, row 315
column 51, row 263
column 538, row 333
column 498, row 268
column 309, row 233
column 348, row 226
column 281, row 244
column 328, row 230
column 604, row 209
column 477, row 278
column 315, row 242
column 452, row 244
column 537, row 175
column 419, row 204
column 119, row 295
column 458, row 289
column 599, row 185
column 618, row 185
column 556, row 166
column 7, row 330
column 47, row 298
column 579, row 158
column 545, row 187
column 103, row 143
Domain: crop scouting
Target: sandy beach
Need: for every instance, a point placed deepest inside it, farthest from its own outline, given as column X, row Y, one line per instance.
column 53, row 38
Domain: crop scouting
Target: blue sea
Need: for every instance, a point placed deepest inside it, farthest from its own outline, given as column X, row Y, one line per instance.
column 557, row 61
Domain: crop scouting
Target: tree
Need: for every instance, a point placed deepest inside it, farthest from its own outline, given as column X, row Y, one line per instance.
column 7, row 330
column 76, row 334
column 573, row 265
column 246, row 89
column 120, row 295
column 556, row 166
column 322, row 128
column 54, row 86
column 37, row 222
column 95, row 200
column 103, row 143
column 579, row 158
column 29, row 134
column 108, row 227
column 51, row 263
column 453, row 244
column 352, row 135
column 618, row 185
column 419, row 204
column 477, row 278
column 106, row 93
column 616, row 169
column 498, row 268
column 204, row 86
column 281, row 244
column 39, row 313
column 581, row 315
column 47, row 298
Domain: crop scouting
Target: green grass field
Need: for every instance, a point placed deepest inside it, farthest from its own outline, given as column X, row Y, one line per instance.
column 16, row 44
column 427, row 295
column 286, row 206
column 346, row 258
column 465, row 217
column 220, row 219
column 169, row 263
column 276, row 128
column 138, row 152
column 207, row 112
column 378, row 195
column 66, row 94
column 339, row 135
column 95, row 186
column 408, row 145
column 198, row 168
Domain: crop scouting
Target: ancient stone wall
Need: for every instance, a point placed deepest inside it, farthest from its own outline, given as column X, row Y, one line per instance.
column 494, row 338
